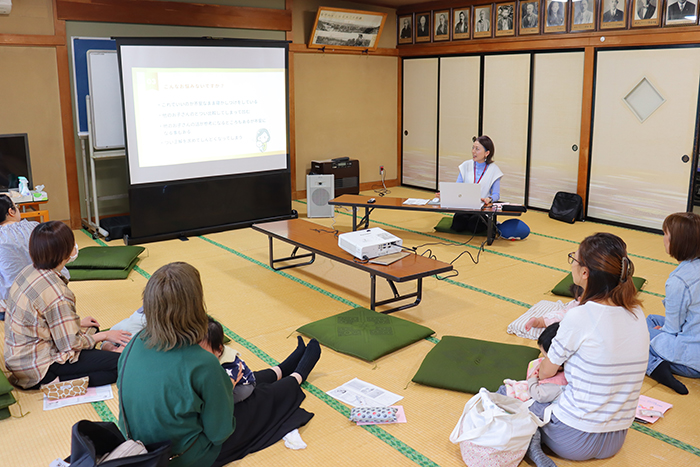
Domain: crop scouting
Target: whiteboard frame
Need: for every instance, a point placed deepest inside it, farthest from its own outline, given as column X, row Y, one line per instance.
column 106, row 110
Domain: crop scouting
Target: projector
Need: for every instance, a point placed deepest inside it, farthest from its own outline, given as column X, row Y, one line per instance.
column 5, row 7
column 369, row 243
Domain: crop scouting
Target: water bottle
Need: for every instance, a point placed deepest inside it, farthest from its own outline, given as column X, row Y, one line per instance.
column 24, row 186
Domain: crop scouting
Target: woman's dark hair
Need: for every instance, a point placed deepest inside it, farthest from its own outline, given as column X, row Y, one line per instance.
column 684, row 230
column 545, row 339
column 609, row 271
column 486, row 142
column 173, row 302
column 5, row 205
column 50, row 244
column 215, row 335
column 576, row 291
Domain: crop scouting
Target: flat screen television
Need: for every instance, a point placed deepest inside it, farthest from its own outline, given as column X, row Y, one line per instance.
column 14, row 161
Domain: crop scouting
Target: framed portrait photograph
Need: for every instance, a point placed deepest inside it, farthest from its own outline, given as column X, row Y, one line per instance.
column 460, row 18
column 482, row 21
column 405, row 29
column 613, row 14
column 346, row 29
column 646, row 13
column 681, row 13
column 529, row 17
column 555, row 16
column 505, row 15
column 423, row 27
column 442, row 25
column 583, row 15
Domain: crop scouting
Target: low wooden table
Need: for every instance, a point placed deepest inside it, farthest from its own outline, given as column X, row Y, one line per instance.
column 317, row 239
column 358, row 201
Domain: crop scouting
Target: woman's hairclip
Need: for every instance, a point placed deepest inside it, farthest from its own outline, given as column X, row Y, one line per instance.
column 625, row 269
column 473, row 139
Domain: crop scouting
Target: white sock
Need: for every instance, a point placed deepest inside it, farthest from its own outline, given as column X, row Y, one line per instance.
column 293, row 440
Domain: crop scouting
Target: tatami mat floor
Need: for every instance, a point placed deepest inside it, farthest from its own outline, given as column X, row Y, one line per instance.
column 262, row 309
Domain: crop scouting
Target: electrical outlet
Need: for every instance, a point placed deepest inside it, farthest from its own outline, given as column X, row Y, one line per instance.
column 381, row 170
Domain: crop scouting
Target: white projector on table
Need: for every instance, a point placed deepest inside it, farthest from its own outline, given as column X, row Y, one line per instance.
column 369, row 243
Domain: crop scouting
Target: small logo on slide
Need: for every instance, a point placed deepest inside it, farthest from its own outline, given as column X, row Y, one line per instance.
column 262, row 138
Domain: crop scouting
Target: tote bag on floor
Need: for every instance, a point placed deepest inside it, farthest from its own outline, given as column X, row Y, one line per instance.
column 494, row 430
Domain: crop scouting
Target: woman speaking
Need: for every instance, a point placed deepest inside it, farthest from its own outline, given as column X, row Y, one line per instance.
column 482, row 171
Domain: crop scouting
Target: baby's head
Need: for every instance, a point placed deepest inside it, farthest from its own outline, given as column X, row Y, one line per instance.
column 576, row 291
column 214, row 342
column 545, row 339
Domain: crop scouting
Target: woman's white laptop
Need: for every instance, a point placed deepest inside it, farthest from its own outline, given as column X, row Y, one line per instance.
column 460, row 195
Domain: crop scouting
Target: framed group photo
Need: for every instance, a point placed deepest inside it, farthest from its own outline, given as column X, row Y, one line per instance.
column 555, row 16
column 346, row 29
column 583, row 15
column 529, row 17
column 405, row 26
column 461, row 18
column 613, row 14
column 423, row 27
column 442, row 25
column 681, row 13
column 505, row 15
column 482, row 21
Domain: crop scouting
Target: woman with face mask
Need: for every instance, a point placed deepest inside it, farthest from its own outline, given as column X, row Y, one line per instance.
column 45, row 339
column 14, row 248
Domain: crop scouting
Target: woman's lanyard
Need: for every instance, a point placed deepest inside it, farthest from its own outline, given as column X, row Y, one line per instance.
column 482, row 173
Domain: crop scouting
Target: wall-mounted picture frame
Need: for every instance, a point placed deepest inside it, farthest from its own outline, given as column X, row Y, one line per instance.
column 460, row 19
column 404, row 26
column 529, row 17
column 423, row 27
column 555, row 16
column 613, row 14
column 441, row 22
column 482, row 21
column 646, row 13
column 505, row 16
column 583, row 14
column 340, row 28
column 681, row 13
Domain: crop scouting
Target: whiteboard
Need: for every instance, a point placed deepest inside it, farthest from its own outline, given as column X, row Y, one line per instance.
column 106, row 112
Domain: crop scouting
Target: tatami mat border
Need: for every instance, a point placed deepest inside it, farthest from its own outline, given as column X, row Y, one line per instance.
column 531, row 233
column 437, row 237
column 106, row 414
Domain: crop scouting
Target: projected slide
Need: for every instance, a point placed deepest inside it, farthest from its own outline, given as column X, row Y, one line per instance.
column 195, row 112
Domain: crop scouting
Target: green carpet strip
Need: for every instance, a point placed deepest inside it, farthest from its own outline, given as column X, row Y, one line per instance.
column 442, row 239
column 666, row 439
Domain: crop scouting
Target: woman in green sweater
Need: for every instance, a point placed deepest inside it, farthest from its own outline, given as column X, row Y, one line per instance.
column 171, row 388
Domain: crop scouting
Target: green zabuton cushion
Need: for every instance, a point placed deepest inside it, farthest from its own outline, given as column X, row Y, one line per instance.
column 467, row 365
column 101, row 274
column 364, row 333
column 562, row 288
column 445, row 226
column 105, row 257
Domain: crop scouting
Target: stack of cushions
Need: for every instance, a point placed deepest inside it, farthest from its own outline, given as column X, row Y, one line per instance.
column 104, row 262
column 512, row 229
column 6, row 397
column 467, row 365
column 562, row 288
column 364, row 333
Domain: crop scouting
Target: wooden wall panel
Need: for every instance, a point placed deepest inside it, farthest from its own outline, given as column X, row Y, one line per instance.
column 174, row 14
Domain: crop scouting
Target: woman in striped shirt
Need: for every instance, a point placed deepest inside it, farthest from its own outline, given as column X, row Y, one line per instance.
column 604, row 343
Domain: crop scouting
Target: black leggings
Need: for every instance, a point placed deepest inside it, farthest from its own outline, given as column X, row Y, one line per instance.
column 271, row 411
column 468, row 222
column 99, row 365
